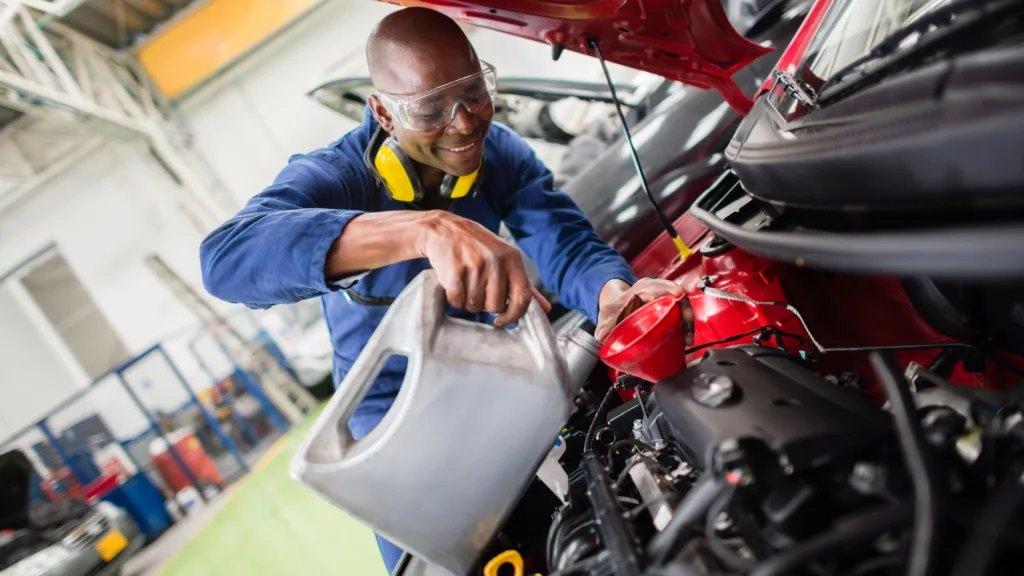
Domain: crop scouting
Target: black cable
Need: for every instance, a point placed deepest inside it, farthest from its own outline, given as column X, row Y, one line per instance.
column 988, row 354
column 689, row 512
column 858, row 528
column 769, row 329
column 587, row 442
column 727, row 555
column 979, row 551
column 579, row 528
column 726, row 340
column 625, row 472
column 626, row 442
column 665, row 223
column 636, row 510
column 928, row 501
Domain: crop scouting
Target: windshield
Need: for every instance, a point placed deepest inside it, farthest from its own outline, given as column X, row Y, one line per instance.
column 852, row 28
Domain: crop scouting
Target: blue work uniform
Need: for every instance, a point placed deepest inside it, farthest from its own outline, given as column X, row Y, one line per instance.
column 273, row 251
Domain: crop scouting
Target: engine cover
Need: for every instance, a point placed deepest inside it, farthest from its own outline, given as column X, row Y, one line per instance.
column 762, row 394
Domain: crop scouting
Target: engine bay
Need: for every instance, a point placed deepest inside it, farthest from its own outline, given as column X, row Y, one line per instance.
column 839, row 436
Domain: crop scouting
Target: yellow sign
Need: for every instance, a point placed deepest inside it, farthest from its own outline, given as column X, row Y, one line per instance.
column 212, row 36
column 111, row 545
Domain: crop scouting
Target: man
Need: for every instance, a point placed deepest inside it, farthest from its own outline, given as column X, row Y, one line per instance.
column 357, row 221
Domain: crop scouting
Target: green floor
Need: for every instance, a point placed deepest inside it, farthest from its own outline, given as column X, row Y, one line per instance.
column 275, row 527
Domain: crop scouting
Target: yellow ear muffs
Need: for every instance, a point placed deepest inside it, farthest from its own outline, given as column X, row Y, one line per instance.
column 397, row 172
column 458, row 186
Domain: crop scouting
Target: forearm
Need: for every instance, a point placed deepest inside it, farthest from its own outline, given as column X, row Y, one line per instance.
column 375, row 240
column 272, row 257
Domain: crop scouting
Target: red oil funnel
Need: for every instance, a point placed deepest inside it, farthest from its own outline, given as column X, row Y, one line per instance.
column 651, row 342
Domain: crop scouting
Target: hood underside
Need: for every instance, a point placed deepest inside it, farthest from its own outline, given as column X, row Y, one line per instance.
column 691, row 41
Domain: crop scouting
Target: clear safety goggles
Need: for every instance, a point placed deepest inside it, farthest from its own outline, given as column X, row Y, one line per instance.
column 436, row 108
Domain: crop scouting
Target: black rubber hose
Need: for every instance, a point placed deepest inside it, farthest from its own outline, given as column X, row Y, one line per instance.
column 928, row 502
column 576, row 545
column 861, row 527
column 727, row 555
column 584, row 566
column 979, row 551
column 690, row 511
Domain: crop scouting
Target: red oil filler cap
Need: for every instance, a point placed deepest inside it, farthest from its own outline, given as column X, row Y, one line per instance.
column 649, row 343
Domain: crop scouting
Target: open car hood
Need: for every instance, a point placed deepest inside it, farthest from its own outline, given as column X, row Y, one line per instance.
column 15, row 479
column 691, row 41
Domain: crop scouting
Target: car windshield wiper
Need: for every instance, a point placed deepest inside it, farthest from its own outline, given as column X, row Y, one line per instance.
column 951, row 18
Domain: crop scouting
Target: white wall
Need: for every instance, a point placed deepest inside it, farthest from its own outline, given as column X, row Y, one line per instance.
column 28, row 395
column 105, row 216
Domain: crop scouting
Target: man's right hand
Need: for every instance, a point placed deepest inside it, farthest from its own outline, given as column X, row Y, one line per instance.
column 478, row 270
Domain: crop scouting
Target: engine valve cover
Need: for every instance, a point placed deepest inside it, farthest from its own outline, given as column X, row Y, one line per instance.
column 757, row 393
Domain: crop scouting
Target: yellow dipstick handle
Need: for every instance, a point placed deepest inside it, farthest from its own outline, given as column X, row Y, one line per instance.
column 507, row 557
column 683, row 250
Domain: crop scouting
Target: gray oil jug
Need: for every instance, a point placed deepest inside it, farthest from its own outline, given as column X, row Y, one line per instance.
column 479, row 410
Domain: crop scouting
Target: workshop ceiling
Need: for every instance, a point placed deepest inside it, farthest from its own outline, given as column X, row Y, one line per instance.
column 120, row 23
column 7, row 116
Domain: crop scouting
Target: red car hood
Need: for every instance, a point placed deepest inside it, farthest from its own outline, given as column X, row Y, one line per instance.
column 690, row 41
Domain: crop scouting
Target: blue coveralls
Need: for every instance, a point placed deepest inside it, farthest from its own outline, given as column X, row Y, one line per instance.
column 273, row 251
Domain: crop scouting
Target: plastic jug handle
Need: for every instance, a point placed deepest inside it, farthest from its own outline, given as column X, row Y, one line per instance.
column 330, row 440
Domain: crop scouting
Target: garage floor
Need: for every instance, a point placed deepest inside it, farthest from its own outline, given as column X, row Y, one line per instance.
column 268, row 524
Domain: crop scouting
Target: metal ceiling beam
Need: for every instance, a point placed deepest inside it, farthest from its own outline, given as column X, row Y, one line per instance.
column 55, row 8
column 11, row 197
column 63, row 73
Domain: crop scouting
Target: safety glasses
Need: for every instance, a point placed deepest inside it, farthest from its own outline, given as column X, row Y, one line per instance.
column 435, row 108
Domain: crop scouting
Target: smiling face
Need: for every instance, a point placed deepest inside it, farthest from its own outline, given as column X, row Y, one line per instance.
column 411, row 54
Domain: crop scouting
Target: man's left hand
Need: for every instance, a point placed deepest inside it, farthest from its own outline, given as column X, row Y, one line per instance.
column 618, row 300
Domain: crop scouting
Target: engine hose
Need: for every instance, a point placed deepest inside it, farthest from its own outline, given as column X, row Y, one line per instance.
column 928, row 501
column 583, row 566
column 588, row 441
column 992, row 521
column 690, row 511
column 579, row 542
column 861, row 527
column 728, row 556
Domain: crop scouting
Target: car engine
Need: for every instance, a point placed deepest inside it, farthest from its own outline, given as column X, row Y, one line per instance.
column 750, row 462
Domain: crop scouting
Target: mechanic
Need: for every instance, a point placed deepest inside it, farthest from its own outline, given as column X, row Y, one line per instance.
column 424, row 182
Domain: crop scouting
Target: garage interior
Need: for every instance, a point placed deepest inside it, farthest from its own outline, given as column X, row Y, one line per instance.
column 809, row 361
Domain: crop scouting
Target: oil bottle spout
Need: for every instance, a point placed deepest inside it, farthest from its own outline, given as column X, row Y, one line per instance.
column 581, row 353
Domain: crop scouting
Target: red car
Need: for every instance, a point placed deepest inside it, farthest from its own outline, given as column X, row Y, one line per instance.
column 851, row 404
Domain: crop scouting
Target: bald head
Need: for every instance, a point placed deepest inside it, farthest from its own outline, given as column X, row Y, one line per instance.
column 416, row 49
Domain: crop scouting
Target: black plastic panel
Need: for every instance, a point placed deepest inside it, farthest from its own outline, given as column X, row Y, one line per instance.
column 800, row 416
column 948, row 135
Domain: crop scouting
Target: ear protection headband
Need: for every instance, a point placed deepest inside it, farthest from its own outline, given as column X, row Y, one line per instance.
column 395, row 170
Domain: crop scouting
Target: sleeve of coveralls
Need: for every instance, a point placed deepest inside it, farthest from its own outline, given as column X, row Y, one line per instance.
column 550, row 227
column 274, row 249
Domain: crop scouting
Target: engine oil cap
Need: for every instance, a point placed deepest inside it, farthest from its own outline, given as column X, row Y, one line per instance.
column 712, row 390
